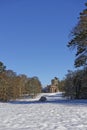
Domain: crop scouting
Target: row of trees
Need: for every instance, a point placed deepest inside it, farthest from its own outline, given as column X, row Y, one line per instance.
column 75, row 83
column 13, row 86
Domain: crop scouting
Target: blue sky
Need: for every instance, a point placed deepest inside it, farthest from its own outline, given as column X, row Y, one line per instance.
column 34, row 35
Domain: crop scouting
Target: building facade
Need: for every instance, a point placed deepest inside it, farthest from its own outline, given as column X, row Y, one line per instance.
column 54, row 86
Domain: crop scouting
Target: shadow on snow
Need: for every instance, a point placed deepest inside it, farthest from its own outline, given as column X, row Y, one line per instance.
column 53, row 100
column 59, row 101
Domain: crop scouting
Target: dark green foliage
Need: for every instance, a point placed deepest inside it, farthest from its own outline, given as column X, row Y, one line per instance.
column 79, row 39
column 76, row 82
column 61, row 85
column 2, row 67
column 75, row 85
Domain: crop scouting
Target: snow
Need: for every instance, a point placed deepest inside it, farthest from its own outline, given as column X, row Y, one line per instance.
column 56, row 113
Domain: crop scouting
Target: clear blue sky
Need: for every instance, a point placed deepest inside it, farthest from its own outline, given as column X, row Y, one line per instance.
column 34, row 35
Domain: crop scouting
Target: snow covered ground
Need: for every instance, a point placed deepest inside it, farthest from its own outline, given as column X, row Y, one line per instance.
column 54, row 114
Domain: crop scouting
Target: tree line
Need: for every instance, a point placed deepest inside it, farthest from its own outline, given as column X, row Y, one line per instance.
column 75, row 83
column 13, row 86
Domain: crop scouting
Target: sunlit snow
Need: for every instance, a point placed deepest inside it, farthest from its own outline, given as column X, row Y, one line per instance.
column 56, row 113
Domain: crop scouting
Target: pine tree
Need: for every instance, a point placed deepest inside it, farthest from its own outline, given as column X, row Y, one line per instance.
column 79, row 39
column 2, row 67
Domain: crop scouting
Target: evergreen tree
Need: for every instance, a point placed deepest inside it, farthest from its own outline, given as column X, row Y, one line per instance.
column 79, row 39
column 2, row 67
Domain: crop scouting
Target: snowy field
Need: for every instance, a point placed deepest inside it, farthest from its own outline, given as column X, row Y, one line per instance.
column 54, row 114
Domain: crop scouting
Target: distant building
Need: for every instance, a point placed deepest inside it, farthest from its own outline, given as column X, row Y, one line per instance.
column 54, row 86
